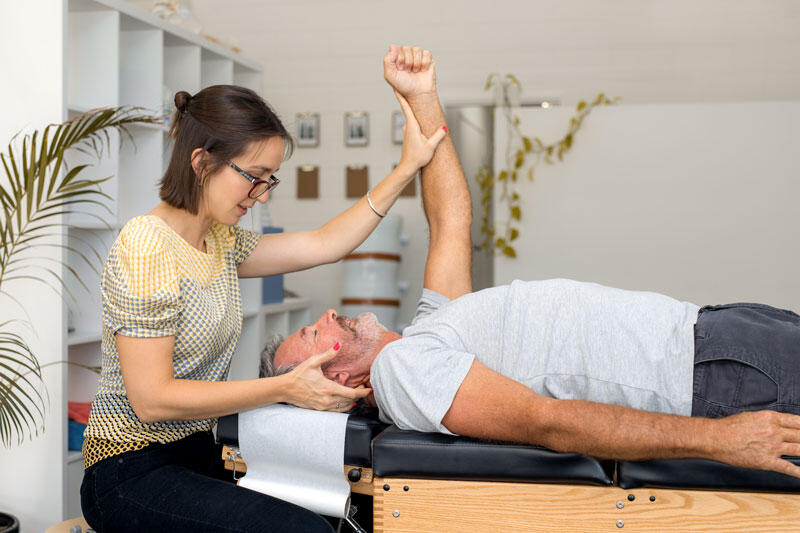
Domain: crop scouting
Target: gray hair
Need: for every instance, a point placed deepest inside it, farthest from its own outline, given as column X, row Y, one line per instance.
column 266, row 368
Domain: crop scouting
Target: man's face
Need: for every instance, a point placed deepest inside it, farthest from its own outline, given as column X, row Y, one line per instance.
column 359, row 338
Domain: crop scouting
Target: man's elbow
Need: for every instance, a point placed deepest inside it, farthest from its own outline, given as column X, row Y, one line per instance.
column 530, row 422
column 553, row 427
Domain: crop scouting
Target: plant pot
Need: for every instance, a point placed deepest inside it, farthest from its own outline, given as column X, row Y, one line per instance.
column 8, row 523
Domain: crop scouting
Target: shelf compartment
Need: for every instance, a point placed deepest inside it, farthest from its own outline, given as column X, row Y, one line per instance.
column 275, row 323
column 215, row 69
column 139, row 173
column 141, row 69
column 244, row 364
column 93, row 57
column 90, row 215
column 181, row 67
column 81, row 382
column 85, row 311
column 137, row 17
column 74, row 456
column 250, row 291
column 77, row 337
column 299, row 318
column 74, row 478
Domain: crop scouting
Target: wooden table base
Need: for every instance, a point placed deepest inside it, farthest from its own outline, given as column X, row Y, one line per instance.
column 466, row 506
column 403, row 505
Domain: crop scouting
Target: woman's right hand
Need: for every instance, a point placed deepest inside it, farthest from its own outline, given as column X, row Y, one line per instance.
column 418, row 150
column 309, row 388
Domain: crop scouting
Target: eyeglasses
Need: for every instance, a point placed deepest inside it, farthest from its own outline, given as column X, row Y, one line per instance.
column 259, row 186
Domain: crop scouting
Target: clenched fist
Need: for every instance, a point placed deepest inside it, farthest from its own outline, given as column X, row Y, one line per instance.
column 410, row 71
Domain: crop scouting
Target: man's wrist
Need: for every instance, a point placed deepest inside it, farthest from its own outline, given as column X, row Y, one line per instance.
column 423, row 98
column 702, row 438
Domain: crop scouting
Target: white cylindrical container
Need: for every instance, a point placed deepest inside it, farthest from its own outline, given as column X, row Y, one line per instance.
column 385, row 238
column 370, row 274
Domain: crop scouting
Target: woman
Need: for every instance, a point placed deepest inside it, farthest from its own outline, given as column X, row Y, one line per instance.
column 172, row 317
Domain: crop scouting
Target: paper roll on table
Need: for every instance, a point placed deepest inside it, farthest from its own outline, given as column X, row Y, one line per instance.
column 296, row 455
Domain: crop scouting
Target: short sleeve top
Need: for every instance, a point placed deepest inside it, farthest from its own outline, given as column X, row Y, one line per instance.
column 561, row 338
column 155, row 284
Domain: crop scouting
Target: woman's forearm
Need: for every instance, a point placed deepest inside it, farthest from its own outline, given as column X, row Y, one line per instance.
column 156, row 396
column 345, row 232
column 298, row 250
column 185, row 399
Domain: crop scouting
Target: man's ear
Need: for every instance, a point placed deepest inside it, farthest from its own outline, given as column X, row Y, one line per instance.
column 341, row 377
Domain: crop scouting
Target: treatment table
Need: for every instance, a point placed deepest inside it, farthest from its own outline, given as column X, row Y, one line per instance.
column 433, row 482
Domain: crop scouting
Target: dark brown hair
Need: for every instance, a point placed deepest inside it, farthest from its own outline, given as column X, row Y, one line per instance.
column 222, row 120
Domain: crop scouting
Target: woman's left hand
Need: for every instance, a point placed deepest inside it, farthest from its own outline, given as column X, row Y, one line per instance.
column 418, row 150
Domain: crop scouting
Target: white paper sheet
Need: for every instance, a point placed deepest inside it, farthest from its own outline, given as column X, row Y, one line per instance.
column 296, row 455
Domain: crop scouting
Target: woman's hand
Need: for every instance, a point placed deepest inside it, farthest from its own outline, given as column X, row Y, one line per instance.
column 309, row 388
column 410, row 70
column 418, row 150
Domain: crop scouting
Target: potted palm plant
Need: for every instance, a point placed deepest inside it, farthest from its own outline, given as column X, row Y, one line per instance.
column 37, row 192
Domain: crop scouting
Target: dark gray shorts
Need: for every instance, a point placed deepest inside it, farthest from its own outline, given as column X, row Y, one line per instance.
column 746, row 358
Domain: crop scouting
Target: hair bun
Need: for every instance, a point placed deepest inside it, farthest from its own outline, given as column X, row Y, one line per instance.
column 182, row 99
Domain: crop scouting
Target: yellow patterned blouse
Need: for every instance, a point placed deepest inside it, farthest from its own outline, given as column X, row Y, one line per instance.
column 155, row 284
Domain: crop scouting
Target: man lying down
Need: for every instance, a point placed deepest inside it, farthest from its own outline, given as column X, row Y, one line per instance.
column 566, row 365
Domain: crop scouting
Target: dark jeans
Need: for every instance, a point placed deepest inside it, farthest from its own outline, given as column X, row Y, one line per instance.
column 747, row 358
column 182, row 486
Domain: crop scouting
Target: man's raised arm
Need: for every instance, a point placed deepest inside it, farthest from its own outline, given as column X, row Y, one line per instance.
column 445, row 196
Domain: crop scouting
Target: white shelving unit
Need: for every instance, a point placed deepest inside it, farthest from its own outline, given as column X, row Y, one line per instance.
column 118, row 54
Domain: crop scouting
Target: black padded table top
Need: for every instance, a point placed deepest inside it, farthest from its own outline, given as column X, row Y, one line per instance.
column 702, row 474
column 399, row 453
column 392, row 452
column 357, row 442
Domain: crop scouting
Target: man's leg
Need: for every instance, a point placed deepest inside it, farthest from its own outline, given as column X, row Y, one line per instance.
column 747, row 358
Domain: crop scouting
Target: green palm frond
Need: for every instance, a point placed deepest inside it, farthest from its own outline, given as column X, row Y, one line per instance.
column 20, row 398
column 36, row 194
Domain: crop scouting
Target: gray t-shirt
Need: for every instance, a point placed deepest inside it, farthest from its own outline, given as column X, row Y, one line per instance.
column 564, row 339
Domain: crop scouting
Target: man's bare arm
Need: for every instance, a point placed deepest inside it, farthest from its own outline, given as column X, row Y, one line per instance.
column 489, row 405
column 445, row 196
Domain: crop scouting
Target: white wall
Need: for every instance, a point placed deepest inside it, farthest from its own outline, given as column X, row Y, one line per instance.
column 31, row 475
column 325, row 56
column 697, row 201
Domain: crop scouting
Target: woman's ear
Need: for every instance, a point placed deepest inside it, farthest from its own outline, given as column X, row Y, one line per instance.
column 198, row 160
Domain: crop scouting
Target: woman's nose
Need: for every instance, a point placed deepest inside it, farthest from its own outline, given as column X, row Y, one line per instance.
column 263, row 198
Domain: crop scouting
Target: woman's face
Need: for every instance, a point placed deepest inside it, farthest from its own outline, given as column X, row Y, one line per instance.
column 225, row 197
